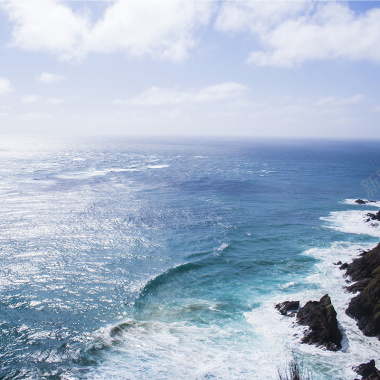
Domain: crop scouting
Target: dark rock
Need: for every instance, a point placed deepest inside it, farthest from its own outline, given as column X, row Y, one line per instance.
column 372, row 216
column 368, row 371
column 343, row 266
column 320, row 316
column 358, row 286
column 361, row 202
column 338, row 263
column 365, row 307
column 363, row 266
column 288, row 306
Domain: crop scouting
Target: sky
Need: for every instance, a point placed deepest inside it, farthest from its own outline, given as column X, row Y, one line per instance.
column 305, row 69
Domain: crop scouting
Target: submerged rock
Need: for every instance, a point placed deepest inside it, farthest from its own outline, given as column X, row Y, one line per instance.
column 368, row 371
column 288, row 308
column 320, row 316
column 365, row 307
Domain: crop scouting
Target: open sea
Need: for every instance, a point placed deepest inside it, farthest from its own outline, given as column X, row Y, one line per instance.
column 163, row 259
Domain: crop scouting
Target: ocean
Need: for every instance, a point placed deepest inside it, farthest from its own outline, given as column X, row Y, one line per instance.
column 127, row 258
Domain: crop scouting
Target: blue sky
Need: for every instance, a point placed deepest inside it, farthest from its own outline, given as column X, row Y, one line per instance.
column 183, row 67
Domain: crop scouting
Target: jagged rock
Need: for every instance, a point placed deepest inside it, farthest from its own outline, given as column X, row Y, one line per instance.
column 363, row 266
column 343, row 266
column 358, row 286
column 320, row 316
column 338, row 263
column 372, row 216
column 288, row 306
column 365, row 307
column 368, row 371
column 361, row 202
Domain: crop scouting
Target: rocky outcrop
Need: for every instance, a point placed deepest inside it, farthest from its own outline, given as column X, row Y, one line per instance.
column 358, row 286
column 372, row 216
column 288, row 308
column 368, row 371
column 365, row 307
column 320, row 316
column 361, row 202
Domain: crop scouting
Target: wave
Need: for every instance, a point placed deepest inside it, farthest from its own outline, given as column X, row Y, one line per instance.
column 353, row 221
column 168, row 276
column 157, row 166
column 222, row 248
column 93, row 173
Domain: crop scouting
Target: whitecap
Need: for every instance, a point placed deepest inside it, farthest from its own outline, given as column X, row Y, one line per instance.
column 288, row 285
column 157, row 166
column 352, row 221
column 93, row 173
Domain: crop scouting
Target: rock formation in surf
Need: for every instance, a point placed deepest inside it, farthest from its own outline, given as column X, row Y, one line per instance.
column 288, row 308
column 372, row 216
column 361, row 202
column 320, row 316
column 368, row 371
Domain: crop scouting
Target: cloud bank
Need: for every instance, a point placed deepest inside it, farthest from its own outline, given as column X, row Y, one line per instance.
column 291, row 33
column 160, row 29
column 283, row 33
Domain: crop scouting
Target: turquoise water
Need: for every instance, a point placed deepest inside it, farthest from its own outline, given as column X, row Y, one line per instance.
column 137, row 259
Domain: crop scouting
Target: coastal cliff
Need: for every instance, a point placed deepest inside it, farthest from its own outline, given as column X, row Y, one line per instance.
column 365, row 307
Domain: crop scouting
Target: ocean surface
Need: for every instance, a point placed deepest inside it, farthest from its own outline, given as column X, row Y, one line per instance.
column 163, row 259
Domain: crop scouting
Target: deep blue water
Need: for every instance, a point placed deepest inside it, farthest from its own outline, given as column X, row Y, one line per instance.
column 136, row 259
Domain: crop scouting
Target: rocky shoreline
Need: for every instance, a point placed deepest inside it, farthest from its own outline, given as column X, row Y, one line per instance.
column 320, row 316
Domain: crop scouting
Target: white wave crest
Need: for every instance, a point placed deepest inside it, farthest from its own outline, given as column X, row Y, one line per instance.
column 353, row 221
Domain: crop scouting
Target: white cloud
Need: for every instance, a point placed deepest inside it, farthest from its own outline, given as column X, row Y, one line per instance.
column 53, row 101
column 48, row 26
column 334, row 101
column 48, row 78
column 36, row 98
column 29, row 98
column 257, row 16
column 36, row 116
column 291, row 33
column 157, row 96
column 5, row 86
column 161, row 29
